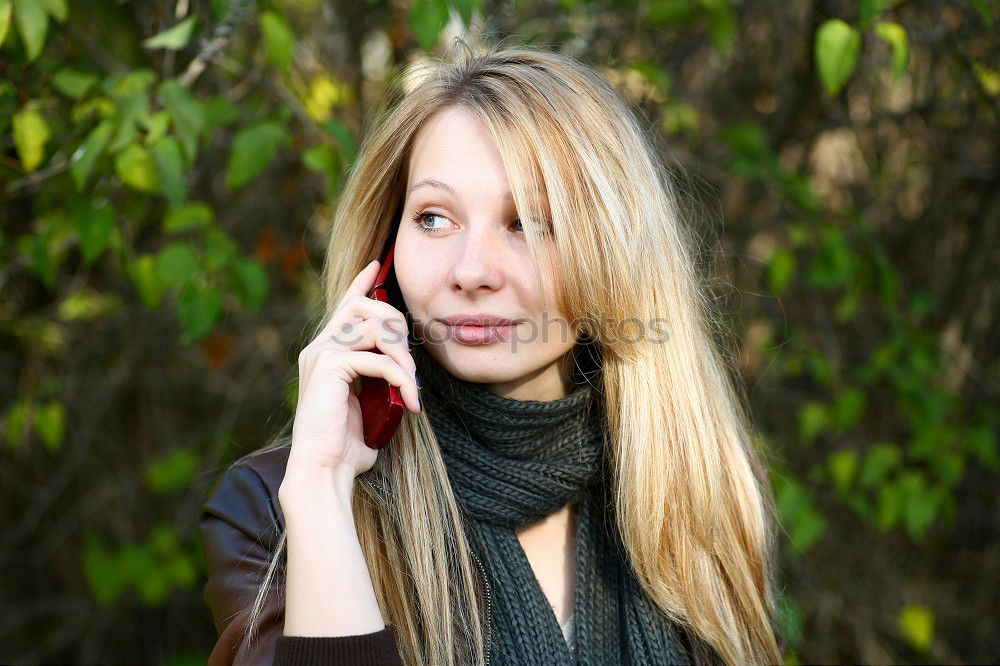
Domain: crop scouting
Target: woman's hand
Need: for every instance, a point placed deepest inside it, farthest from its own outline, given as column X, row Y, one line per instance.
column 327, row 435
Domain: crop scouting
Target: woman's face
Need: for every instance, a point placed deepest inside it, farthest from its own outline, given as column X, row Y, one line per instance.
column 466, row 254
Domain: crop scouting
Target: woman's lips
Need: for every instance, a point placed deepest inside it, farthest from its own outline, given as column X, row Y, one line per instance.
column 479, row 335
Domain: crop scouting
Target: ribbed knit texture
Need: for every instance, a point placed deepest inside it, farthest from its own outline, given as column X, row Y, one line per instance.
column 512, row 463
column 363, row 650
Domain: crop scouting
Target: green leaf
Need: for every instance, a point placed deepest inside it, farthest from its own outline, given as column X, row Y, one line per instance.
column 890, row 505
column 344, row 137
column 324, row 159
column 186, row 113
column 170, row 167
column 86, row 304
column 848, row 408
column 86, row 155
column 427, row 19
column 131, row 111
column 249, row 280
column 220, row 249
column 981, row 442
column 136, row 168
column 804, row 523
column 813, row 418
column 252, row 150
column 72, row 82
column 145, row 276
column 50, row 423
column 94, row 224
column 672, row 12
column 807, row 530
column 57, row 9
column 895, row 35
column 465, row 9
column 746, row 139
column 920, row 505
column 102, row 571
column 156, row 126
column 32, row 23
column 198, row 309
column 869, row 9
column 173, row 38
column 916, row 623
column 791, row 619
column 217, row 112
column 182, row 570
column 722, row 23
column 5, row 14
column 17, row 422
column 195, row 215
column 836, row 51
column 654, row 73
column 879, row 460
column 132, row 82
column 843, row 464
column 978, row 5
column 278, row 37
column 174, row 472
column 31, row 133
column 780, row 269
column 176, row 264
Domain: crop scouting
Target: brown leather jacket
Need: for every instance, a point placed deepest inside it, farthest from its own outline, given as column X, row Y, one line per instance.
column 240, row 524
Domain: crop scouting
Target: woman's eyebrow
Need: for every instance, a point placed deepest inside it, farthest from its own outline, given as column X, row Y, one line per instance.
column 434, row 182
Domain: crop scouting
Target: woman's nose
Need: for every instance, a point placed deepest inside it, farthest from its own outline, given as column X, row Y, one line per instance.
column 479, row 260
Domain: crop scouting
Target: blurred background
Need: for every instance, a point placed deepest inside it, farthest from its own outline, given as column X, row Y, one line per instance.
column 168, row 168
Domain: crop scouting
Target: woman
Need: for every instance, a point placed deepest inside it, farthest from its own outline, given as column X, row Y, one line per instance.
column 579, row 484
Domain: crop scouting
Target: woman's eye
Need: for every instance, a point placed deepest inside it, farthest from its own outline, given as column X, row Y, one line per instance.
column 518, row 223
column 423, row 216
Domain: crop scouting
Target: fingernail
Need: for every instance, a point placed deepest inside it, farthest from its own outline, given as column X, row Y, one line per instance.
column 416, row 378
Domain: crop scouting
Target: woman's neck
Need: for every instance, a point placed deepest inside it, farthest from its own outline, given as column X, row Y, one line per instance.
column 543, row 385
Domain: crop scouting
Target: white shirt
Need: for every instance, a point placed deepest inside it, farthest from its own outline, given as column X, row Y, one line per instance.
column 568, row 632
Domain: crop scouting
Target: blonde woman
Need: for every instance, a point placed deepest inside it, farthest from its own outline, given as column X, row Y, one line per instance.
column 574, row 479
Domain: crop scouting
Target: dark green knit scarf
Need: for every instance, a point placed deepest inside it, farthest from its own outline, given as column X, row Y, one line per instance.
column 512, row 463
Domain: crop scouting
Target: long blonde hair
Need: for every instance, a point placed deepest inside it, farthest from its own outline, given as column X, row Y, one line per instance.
column 694, row 505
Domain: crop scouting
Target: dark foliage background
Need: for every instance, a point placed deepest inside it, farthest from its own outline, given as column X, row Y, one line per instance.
column 168, row 168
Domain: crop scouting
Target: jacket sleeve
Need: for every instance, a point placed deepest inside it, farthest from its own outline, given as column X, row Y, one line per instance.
column 240, row 530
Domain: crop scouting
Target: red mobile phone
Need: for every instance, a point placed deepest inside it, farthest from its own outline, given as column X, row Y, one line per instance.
column 381, row 405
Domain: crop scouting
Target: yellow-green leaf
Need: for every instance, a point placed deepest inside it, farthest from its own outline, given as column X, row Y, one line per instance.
column 279, row 38
column 85, row 304
column 836, row 51
column 195, row 215
column 31, row 132
column 988, row 77
column 843, row 464
column 32, row 23
column 145, row 276
column 916, row 622
column 17, row 420
column 72, row 82
column 5, row 14
column 173, row 471
column 135, row 166
column 57, row 9
column 780, row 269
column 50, row 423
column 173, row 38
column 895, row 35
